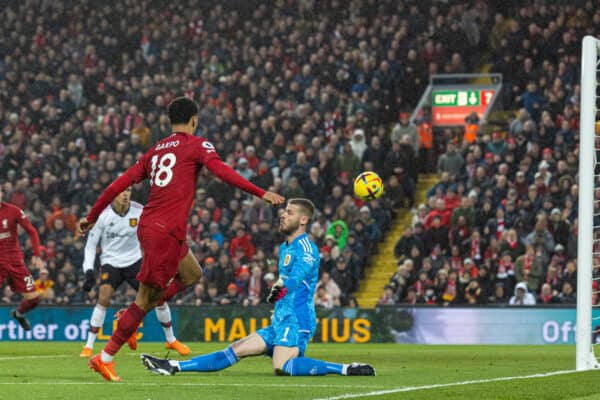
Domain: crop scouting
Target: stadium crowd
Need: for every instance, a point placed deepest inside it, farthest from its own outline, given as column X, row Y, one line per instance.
column 501, row 225
column 299, row 96
column 296, row 95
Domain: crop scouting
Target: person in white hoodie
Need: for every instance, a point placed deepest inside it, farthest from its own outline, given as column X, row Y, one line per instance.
column 522, row 297
column 358, row 143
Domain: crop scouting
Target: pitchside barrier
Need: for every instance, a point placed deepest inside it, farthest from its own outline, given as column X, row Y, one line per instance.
column 421, row 324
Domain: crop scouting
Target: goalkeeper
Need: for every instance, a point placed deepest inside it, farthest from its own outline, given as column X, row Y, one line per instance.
column 294, row 319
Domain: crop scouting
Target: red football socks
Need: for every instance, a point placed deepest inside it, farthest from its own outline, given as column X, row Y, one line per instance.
column 128, row 323
column 27, row 305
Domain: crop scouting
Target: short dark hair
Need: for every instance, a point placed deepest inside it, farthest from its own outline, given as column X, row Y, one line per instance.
column 306, row 206
column 182, row 109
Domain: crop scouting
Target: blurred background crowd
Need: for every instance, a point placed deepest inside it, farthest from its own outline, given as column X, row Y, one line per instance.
column 299, row 97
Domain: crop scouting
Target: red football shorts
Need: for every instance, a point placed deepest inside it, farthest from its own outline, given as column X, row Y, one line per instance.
column 18, row 276
column 161, row 255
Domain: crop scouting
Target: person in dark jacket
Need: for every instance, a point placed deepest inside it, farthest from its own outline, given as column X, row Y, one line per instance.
column 343, row 277
column 406, row 242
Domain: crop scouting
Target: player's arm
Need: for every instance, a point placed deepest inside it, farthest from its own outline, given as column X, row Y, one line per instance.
column 35, row 239
column 230, row 176
column 134, row 174
column 89, row 255
column 301, row 265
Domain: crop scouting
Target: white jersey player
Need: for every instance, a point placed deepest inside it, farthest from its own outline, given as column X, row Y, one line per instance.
column 120, row 259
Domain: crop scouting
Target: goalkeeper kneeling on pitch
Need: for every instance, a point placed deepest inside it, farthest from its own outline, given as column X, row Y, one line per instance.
column 294, row 320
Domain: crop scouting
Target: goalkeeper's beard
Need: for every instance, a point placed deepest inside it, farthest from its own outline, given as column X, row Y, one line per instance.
column 288, row 230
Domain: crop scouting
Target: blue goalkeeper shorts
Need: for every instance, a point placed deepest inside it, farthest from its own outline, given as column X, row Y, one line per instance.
column 286, row 336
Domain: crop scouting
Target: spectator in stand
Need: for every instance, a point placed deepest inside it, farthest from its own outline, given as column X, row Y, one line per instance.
column 532, row 100
column 400, row 162
column 546, row 296
column 473, row 293
column 374, row 154
column 358, row 143
column 194, row 298
column 323, row 299
column 406, row 243
column 522, row 297
column 498, row 296
column 338, row 230
column 347, row 162
column 242, row 242
column 231, row 296
column 567, row 295
column 343, row 278
column 528, row 268
column 406, row 128
column 439, row 212
column 331, row 288
column 451, row 161
column 44, row 285
column 387, row 298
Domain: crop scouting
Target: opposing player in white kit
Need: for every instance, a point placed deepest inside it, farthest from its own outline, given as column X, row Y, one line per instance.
column 116, row 230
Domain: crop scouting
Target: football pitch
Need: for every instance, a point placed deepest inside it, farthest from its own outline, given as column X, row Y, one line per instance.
column 53, row 370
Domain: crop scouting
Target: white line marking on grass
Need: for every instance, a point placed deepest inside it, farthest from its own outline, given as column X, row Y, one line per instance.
column 175, row 383
column 8, row 358
column 443, row 385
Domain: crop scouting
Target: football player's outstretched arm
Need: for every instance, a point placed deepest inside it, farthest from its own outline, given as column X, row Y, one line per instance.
column 230, row 176
column 134, row 174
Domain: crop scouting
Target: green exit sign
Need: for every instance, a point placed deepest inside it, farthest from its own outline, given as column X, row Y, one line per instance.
column 456, row 98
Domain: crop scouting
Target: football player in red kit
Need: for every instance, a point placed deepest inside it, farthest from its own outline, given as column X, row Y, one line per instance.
column 172, row 166
column 12, row 265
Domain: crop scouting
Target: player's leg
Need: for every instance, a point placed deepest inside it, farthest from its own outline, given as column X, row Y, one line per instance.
column 291, row 361
column 304, row 366
column 105, row 294
column 146, row 298
column 189, row 273
column 21, row 281
column 163, row 314
column 130, row 275
column 159, row 267
column 29, row 302
column 252, row 345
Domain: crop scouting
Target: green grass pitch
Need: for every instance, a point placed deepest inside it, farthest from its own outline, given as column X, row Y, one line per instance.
column 52, row 370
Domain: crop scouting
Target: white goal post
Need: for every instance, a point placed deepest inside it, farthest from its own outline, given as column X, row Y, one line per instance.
column 588, row 242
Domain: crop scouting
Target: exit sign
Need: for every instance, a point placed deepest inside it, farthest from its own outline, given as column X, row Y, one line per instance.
column 450, row 107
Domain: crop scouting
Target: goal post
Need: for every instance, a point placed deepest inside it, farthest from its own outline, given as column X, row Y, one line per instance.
column 586, row 322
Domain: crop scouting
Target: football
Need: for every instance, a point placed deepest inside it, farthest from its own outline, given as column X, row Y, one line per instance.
column 368, row 186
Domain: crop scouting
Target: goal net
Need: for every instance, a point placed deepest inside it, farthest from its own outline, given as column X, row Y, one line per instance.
column 588, row 246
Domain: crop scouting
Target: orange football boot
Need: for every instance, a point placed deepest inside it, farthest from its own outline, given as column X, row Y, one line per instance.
column 86, row 352
column 179, row 347
column 107, row 370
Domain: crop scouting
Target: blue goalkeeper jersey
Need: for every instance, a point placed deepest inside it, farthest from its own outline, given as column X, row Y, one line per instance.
column 299, row 269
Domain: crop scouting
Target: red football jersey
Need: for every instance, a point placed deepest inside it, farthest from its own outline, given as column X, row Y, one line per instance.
column 172, row 166
column 10, row 217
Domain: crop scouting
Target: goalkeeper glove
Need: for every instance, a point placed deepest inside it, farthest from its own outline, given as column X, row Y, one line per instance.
column 278, row 291
column 90, row 280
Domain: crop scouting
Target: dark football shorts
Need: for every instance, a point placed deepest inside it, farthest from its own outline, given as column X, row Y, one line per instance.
column 114, row 276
